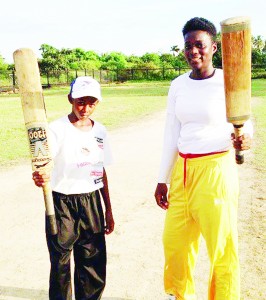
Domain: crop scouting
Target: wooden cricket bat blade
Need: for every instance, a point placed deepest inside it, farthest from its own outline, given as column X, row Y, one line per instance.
column 236, row 57
column 30, row 89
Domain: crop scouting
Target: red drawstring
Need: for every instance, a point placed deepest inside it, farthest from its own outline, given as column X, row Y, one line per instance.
column 190, row 155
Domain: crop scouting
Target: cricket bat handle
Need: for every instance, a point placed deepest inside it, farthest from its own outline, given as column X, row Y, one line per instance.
column 49, row 209
column 239, row 154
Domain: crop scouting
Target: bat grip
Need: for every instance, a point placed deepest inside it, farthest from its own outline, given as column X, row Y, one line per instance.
column 49, row 208
column 239, row 154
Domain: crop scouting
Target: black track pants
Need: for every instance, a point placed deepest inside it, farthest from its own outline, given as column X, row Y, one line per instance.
column 80, row 224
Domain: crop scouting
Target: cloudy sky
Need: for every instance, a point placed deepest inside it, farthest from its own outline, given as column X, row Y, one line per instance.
column 127, row 26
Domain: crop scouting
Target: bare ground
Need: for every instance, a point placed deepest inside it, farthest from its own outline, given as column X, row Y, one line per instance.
column 135, row 254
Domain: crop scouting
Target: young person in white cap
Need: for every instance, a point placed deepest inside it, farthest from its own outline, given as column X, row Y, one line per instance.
column 80, row 151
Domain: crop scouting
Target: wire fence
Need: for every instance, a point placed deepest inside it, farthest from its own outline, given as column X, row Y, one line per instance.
column 8, row 81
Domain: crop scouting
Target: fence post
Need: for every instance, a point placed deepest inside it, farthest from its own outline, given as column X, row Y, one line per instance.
column 67, row 76
column 13, row 81
column 47, row 76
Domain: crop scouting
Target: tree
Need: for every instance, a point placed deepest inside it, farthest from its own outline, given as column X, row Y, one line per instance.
column 151, row 60
column 4, row 68
column 258, row 43
column 217, row 57
column 175, row 49
column 66, row 57
column 113, row 61
column 91, row 61
column 50, row 59
column 134, row 61
column 258, row 50
column 76, row 58
column 3, row 65
column 167, row 60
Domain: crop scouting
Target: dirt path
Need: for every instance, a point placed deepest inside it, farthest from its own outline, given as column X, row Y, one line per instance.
column 135, row 255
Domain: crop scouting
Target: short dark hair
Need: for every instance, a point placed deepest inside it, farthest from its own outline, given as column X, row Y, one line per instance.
column 199, row 24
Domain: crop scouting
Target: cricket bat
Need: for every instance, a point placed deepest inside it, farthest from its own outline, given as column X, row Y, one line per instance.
column 32, row 101
column 236, row 57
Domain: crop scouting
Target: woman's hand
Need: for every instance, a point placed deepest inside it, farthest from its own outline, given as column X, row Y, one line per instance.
column 242, row 142
column 161, row 195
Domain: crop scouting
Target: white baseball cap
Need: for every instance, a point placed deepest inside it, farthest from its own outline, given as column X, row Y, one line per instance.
column 85, row 86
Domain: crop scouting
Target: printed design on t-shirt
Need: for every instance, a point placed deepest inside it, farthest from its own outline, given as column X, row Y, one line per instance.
column 83, row 164
column 98, row 180
column 85, row 151
column 96, row 173
column 89, row 152
column 99, row 142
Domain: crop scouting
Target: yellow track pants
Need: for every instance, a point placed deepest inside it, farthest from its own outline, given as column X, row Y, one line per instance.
column 204, row 202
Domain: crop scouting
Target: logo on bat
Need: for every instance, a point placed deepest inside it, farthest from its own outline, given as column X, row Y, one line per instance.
column 39, row 147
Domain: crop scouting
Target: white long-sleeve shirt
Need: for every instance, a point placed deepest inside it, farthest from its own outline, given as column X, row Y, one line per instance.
column 196, row 120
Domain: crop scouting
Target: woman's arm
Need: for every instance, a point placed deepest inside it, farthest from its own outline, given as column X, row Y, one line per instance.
column 169, row 153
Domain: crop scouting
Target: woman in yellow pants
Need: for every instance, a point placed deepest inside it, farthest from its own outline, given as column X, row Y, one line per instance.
column 204, row 200
column 198, row 163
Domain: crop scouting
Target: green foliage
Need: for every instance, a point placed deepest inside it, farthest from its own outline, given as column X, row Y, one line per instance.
column 180, row 61
column 173, row 61
column 167, row 60
column 50, row 58
column 133, row 61
column 91, row 61
column 151, row 59
column 113, row 61
column 4, row 71
column 258, row 44
column 3, row 65
column 217, row 58
column 53, row 60
column 58, row 65
column 175, row 49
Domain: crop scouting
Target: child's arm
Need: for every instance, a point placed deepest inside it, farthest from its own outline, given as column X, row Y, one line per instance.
column 109, row 220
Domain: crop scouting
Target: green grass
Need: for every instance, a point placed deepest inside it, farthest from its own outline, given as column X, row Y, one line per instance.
column 122, row 104
column 259, row 117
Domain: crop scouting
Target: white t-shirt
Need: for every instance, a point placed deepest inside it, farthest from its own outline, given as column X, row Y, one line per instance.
column 196, row 120
column 79, row 157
